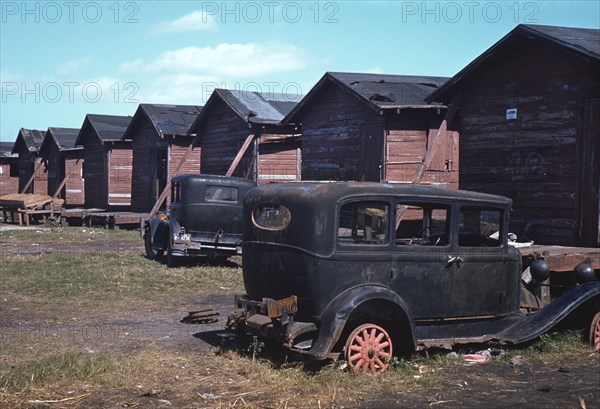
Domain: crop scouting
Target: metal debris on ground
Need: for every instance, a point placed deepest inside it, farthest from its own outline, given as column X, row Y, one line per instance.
column 206, row 316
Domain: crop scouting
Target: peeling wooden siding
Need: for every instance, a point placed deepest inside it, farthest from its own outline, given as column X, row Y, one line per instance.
column 222, row 135
column 344, row 139
column 279, row 162
column 537, row 158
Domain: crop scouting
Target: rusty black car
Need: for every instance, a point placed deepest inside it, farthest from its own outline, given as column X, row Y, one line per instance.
column 368, row 269
column 205, row 218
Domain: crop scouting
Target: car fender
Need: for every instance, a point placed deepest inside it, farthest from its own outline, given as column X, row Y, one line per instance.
column 159, row 230
column 339, row 310
column 538, row 323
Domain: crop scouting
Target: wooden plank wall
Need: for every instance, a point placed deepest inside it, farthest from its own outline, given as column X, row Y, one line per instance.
column 120, row 163
column 221, row 135
column 279, row 162
column 534, row 159
column 74, row 188
column 331, row 135
column 177, row 151
column 144, row 148
column 40, row 182
column 8, row 184
column 95, row 175
column 404, row 151
column 52, row 157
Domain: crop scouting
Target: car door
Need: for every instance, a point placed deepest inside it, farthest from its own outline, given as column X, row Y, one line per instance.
column 420, row 274
column 484, row 281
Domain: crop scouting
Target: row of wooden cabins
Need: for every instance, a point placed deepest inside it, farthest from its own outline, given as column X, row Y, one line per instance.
column 526, row 110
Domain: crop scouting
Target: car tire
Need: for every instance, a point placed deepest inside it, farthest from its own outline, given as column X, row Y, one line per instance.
column 171, row 260
column 595, row 331
column 151, row 253
column 369, row 349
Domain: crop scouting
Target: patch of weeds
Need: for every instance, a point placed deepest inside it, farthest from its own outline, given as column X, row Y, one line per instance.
column 56, row 369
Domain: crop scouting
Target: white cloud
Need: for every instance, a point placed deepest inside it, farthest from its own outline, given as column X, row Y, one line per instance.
column 194, row 21
column 226, row 60
column 179, row 89
column 73, row 66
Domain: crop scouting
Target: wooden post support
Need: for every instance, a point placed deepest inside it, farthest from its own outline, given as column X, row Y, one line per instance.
column 32, row 176
column 240, row 154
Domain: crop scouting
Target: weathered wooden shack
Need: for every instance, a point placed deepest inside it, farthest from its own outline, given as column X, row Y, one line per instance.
column 243, row 128
column 374, row 127
column 33, row 175
column 9, row 169
column 107, row 162
column 64, row 162
column 160, row 142
column 529, row 114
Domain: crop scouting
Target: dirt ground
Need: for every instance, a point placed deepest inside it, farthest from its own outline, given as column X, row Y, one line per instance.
column 194, row 355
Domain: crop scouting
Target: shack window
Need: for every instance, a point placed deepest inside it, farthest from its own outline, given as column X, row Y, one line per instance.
column 421, row 224
column 271, row 216
column 221, row 194
column 480, row 227
column 363, row 223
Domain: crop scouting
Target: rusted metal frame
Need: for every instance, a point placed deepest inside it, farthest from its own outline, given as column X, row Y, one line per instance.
column 35, row 169
column 165, row 192
column 240, row 154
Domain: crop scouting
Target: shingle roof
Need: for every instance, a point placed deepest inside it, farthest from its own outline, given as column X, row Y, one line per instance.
column 389, row 91
column 167, row 119
column 254, row 107
column 63, row 137
column 32, row 138
column 380, row 91
column 109, row 128
column 584, row 42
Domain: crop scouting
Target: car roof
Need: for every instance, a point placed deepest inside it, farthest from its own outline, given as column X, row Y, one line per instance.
column 320, row 192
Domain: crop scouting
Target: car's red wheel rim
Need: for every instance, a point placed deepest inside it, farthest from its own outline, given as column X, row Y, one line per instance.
column 595, row 332
column 369, row 349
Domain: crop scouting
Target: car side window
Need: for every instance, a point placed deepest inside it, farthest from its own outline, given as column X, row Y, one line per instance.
column 480, row 227
column 364, row 223
column 421, row 224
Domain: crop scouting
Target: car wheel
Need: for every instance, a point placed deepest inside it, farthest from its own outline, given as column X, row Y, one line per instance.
column 150, row 252
column 369, row 349
column 595, row 332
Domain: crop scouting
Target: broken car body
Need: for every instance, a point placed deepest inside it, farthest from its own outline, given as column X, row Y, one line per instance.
column 361, row 267
column 205, row 218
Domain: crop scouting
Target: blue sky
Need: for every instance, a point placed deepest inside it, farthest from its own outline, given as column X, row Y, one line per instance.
column 61, row 60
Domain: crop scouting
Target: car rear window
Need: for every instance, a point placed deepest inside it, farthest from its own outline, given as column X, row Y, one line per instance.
column 271, row 216
column 221, row 194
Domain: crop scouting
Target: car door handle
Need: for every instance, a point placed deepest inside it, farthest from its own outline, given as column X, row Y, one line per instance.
column 454, row 259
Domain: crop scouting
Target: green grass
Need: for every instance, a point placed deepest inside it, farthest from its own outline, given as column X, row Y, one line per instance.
column 63, row 368
column 106, row 276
